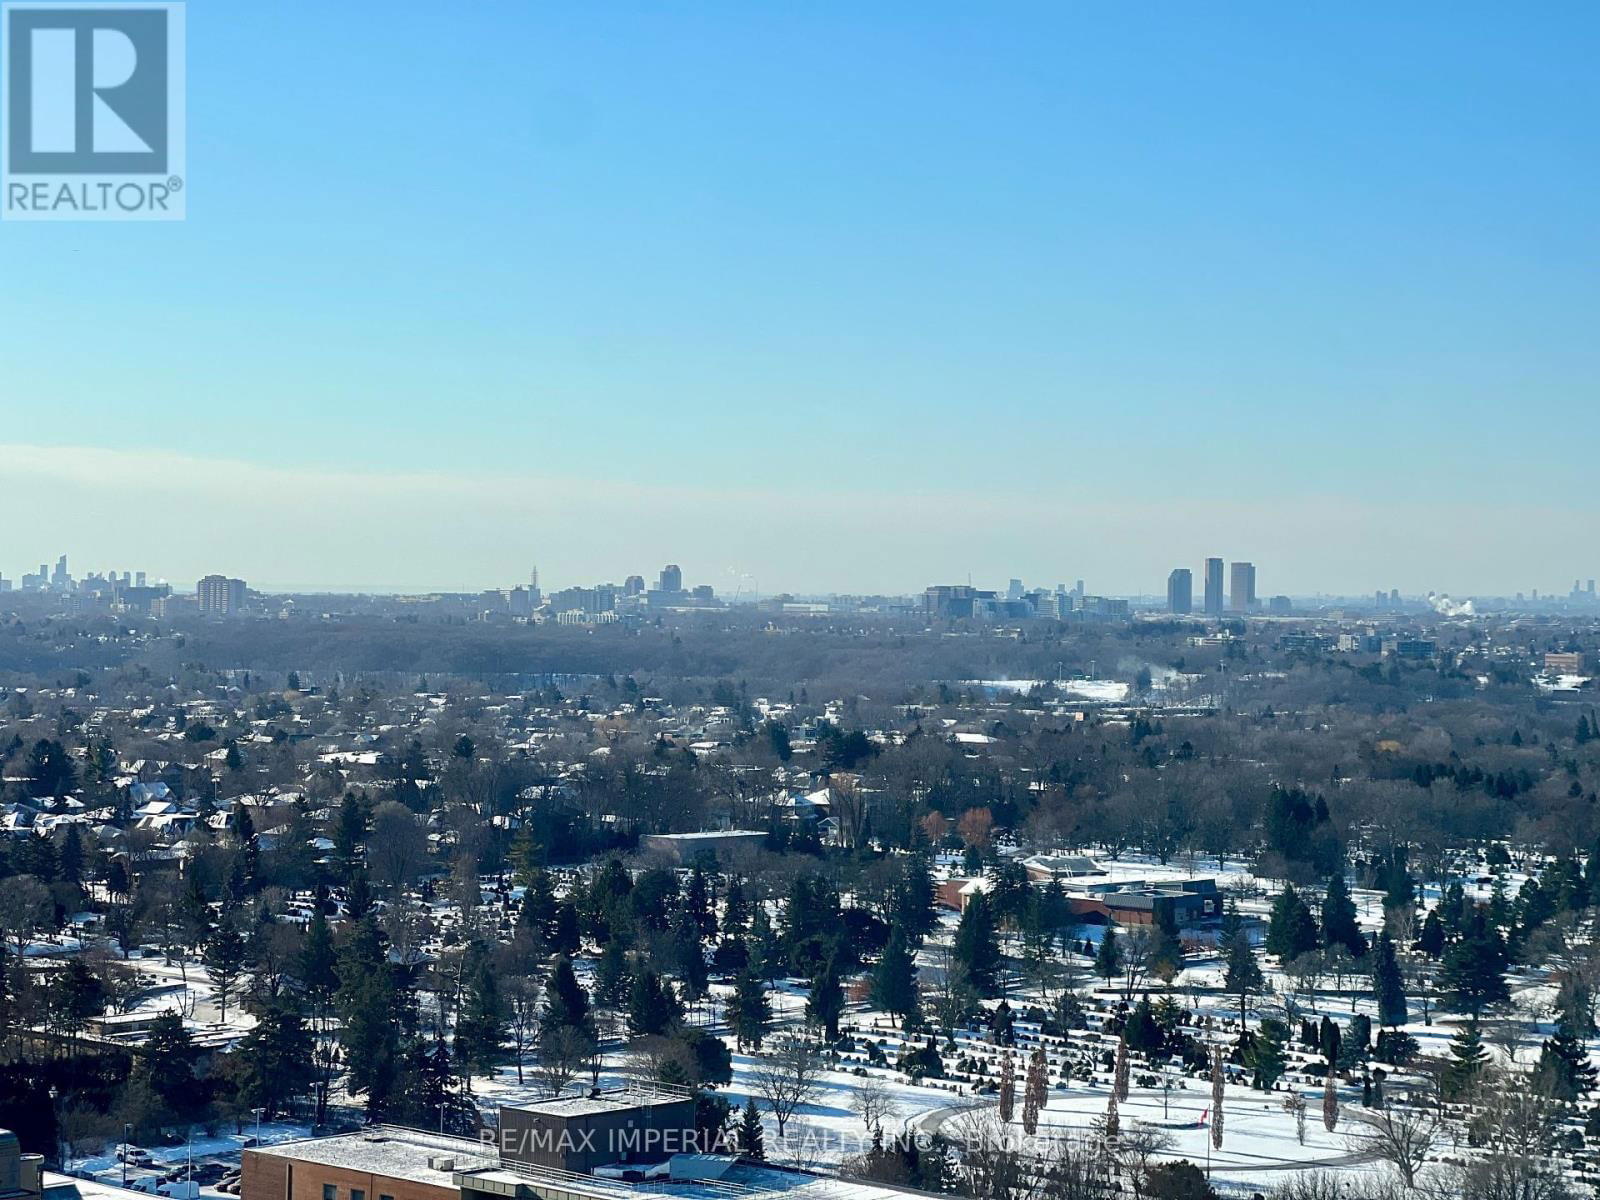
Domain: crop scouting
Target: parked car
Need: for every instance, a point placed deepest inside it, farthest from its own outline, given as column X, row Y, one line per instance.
column 134, row 1155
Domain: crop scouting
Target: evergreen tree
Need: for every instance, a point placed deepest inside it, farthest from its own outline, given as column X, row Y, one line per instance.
column 1431, row 941
column 825, row 999
column 564, row 937
column 749, row 1010
column 224, row 961
column 370, row 1009
column 566, row 1004
column 317, row 967
column 1468, row 1061
column 653, row 1010
column 613, row 983
column 977, row 946
column 1388, row 987
column 276, row 1060
column 1108, row 958
column 894, row 980
column 167, row 1062
column 1339, row 925
column 689, row 956
column 735, row 909
column 484, row 1021
column 697, row 904
column 71, row 862
column 1242, row 976
column 1564, row 1068
column 914, row 906
column 1292, row 930
column 1472, row 976
column 750, row 1137
column 1268, row 1054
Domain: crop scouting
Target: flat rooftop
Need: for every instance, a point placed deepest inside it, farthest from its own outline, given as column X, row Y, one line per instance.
column 397, row 1153
column 589, row 1106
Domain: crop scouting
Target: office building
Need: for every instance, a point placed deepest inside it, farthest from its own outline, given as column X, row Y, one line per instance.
column 1242, row 587
column 219, row 595
column 1180, row 591
column 671, row 578
column 1214, row 600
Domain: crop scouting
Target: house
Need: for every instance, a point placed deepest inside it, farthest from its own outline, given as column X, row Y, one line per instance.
column 1180, row 903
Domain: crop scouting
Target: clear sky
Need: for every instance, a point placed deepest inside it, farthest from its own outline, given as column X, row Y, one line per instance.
column 840, row 296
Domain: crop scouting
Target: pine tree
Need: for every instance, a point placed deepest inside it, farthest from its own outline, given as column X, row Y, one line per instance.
column 750, row 1137
column 1388, row 987
column 825, row 999
column 483, row 1024
column 276, row 1060
column 689, row 955
column 1108, row 959
column 1330, row 1101
column 224, row 961
column 566, row 1004
column 735, row 909
column 1564, row 1066
column 369, row 1006
column 653, row 1010
column 977, row 946
column 72, row 856
column 749, row 1010
column 1292, row 930
column 1431, row 942
column 894, row 980
column 1339, row 925
column 1267, row 1055
column 1468, row 1060
column 1242, row 977
column 1472, row 976
column 317, row 966
column 612, row 981
column 1119, row 1075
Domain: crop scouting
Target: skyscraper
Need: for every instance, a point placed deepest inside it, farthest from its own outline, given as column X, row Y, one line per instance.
column 671, row 578
column 1213, row 587
column 1180, row 591
column 219, row 594
column 1242, row 587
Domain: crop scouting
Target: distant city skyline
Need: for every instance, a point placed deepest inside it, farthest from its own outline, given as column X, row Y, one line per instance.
column 840, row 297
column 100, row 550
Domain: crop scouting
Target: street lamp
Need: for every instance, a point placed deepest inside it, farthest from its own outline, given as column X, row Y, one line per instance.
column 55, row 1122
column 127, row 1136
column 258, row 1127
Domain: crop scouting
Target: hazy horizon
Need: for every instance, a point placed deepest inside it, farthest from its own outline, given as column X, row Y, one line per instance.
column 843, row 300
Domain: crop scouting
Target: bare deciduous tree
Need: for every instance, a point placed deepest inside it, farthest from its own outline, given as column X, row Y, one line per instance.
column 873, row 1101
column 787, row 1077
column 1401, row 1137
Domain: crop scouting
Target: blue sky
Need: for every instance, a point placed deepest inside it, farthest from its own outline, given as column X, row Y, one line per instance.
column 1056, row 290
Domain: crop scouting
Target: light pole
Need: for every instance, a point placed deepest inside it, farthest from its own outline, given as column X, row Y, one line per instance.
column 127, row 1136
column 55, row 1123
column 258, row 1127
